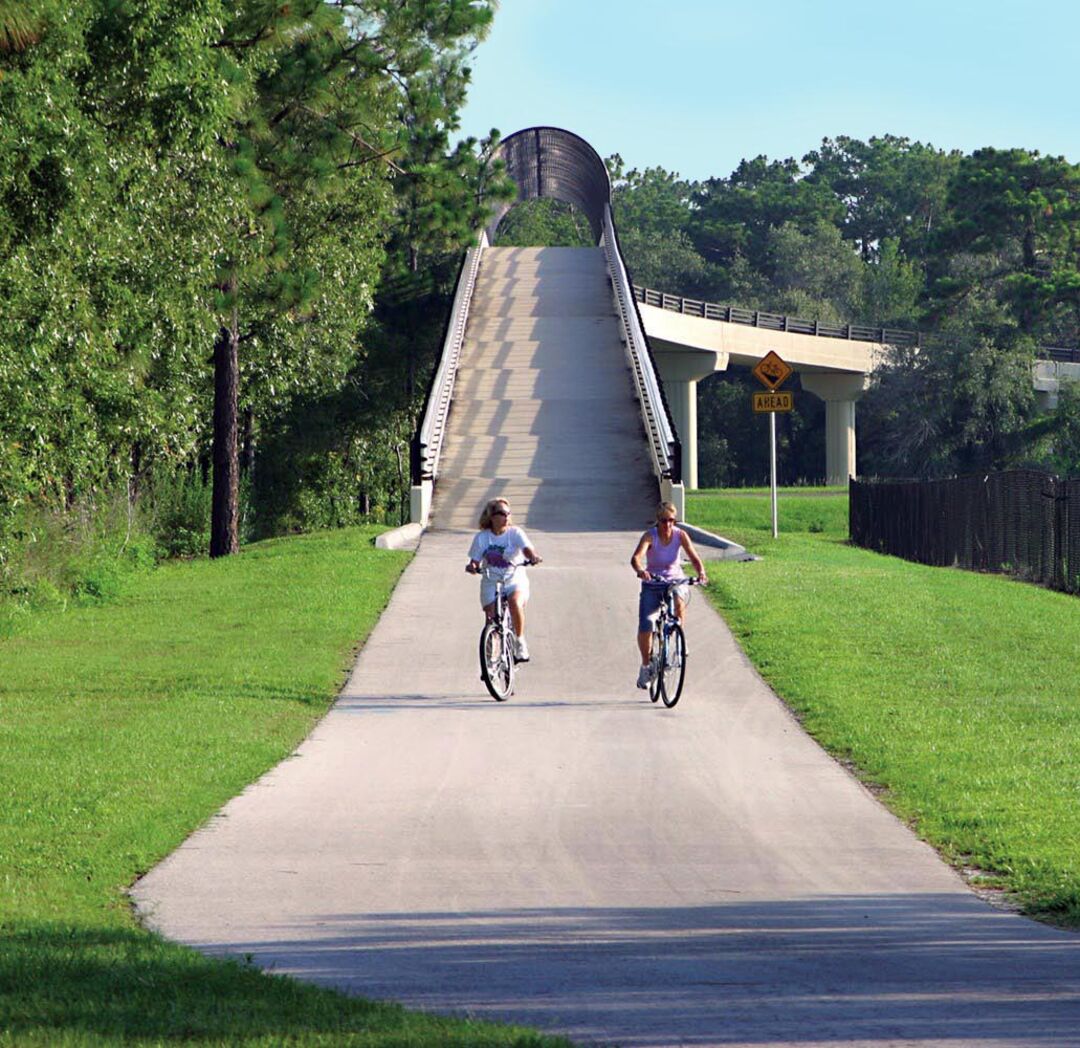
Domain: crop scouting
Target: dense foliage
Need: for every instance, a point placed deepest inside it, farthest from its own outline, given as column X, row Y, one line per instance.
column 980, row 253
column 178, row 176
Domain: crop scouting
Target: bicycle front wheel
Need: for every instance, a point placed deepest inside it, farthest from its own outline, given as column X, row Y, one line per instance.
column 496, row 662
column 672, row 666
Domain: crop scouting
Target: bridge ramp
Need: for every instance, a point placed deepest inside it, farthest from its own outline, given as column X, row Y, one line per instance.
column 543, row 411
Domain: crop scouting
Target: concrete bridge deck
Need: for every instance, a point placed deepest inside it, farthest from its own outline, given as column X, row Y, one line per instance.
column 543, row 412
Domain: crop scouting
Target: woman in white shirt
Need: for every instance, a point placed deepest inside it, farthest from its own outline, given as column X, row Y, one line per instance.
column 506, row 549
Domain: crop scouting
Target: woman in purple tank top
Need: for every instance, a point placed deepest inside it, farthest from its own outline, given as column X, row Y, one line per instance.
column 658, row 559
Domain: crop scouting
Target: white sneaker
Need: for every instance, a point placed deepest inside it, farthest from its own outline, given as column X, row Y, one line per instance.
column 644, row 675
column 521, row 649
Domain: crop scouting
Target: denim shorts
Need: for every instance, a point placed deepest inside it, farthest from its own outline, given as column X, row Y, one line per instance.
column 652, row 597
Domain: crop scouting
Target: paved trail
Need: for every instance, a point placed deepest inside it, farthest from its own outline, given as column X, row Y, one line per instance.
column 581, row 860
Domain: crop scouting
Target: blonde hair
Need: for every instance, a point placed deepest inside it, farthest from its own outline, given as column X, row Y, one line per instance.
column 666, row 507
column 485, row 516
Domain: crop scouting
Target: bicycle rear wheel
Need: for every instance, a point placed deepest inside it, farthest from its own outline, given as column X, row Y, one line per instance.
column 654, row 665
column 496, row 662
column 673, row 666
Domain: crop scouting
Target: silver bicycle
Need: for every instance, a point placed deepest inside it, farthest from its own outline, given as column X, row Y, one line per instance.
column 667, row 651
column 497, row 641
column 497, row 645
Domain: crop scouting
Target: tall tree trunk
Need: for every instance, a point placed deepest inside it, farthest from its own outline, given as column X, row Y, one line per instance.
column 225, row 514
column 247, row 445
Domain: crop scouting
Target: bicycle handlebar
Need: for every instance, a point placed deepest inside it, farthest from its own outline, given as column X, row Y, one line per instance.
column 488, row 573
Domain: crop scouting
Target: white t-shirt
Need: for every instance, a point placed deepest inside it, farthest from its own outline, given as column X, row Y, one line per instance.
column 504, row 552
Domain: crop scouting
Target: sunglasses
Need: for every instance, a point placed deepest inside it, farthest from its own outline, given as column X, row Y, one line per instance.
column 666, row 520
column 500, row 513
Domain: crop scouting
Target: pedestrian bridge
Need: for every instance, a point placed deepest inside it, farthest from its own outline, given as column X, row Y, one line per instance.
column 571, row 391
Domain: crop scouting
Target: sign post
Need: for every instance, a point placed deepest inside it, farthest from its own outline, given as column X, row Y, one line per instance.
column 772, row 373
column 772, row 474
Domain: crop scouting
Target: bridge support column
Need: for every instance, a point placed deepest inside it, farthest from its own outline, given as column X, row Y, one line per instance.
column 682, row 400
column 680, row 372
column 839, row 391
column 420, row 503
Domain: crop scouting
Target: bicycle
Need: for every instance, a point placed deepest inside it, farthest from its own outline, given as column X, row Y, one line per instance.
column 497, row 659
column 667, row 651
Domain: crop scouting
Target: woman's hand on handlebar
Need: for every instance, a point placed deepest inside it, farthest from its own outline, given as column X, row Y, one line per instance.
column 472, row 568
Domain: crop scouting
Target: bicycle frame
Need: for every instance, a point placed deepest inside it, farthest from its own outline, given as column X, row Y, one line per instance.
column 668, row 647
column 498, row 674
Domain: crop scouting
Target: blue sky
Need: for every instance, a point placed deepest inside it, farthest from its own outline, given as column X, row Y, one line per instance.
column 694, row 86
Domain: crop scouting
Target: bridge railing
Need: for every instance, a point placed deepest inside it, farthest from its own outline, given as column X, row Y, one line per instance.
column 773, row 321
column 427, row 442
column 664, row 443
column 1060, row 354
column 693, row 307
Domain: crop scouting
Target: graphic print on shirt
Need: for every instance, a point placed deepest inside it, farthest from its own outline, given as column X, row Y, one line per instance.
column 504, row 553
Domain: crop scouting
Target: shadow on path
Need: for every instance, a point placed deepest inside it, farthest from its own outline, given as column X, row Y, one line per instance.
column 883, row 969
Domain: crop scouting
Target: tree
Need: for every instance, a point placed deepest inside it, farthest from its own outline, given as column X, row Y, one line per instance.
column 544, row 222
column 103, row 267
column 736, row 214
column 1020, row 212
column 891, row 189
column 654, row 212
column 816, row 273
column 21, row 26
column 891, row 288
column 961, row 402
column 313, row 79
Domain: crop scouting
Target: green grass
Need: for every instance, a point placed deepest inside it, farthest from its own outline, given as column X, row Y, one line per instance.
column 957, row 693
column 125, row 726
column 749, row 510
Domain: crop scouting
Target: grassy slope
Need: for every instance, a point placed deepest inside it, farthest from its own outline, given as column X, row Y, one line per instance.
column 123, row 727
column 959, row 693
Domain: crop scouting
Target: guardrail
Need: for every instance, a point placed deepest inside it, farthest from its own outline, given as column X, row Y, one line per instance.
column 427, row 442
column 774, row 321
column 693, row 307
column 663, row 441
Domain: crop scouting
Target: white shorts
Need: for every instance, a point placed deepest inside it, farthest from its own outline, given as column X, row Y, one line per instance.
column 519, row 582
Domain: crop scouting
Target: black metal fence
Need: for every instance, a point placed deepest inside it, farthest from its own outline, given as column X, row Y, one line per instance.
column 1019, row 522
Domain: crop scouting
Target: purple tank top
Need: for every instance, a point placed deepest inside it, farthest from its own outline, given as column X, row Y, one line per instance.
column 662, row 561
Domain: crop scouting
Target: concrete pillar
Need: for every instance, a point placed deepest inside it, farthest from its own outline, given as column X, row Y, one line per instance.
column 420, row 503
column 680, row 371
column 839, row 390
column 682, row 399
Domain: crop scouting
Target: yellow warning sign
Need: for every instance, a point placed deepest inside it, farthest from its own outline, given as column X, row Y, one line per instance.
column 774, row 401
column 771, row 371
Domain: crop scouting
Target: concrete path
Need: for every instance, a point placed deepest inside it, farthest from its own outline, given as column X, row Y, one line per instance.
column 584, row 861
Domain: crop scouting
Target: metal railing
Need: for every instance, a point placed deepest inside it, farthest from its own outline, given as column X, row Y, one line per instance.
column 693, row 307
column 774, row 321
column 1060, row 354
column 663, row 441
column 427, row 442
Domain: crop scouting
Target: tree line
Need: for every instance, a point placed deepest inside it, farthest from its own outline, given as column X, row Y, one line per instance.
column 979, row 252
column 228, row 234
column 230, row 229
